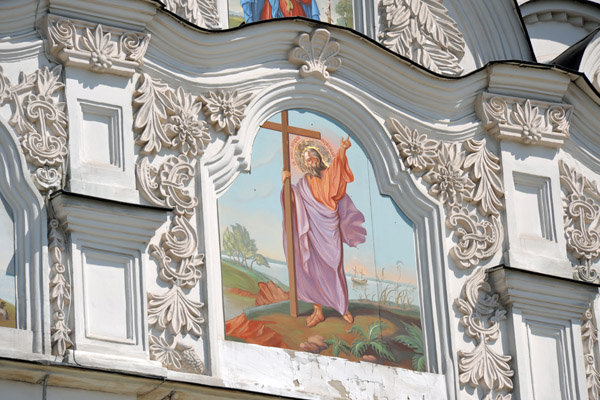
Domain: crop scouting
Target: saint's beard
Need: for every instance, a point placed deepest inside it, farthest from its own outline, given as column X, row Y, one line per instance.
column 314, row 171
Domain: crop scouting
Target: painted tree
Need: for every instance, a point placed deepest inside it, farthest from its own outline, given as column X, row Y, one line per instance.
column 238, row 245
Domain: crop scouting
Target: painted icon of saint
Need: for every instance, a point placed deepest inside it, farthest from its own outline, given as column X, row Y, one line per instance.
column 258, row 10
column 324, row 218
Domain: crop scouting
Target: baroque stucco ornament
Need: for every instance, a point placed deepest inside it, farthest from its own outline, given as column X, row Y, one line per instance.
column 170, row 129
column 523, row 120
column 60, row 291
column 40, row 119
column 203, row 13
column 482, row 314
column 175, row 356
column 423, row 32
column 98, row 48
column 316, row 54
column 589, row 336
column 458, row 179
column 225, row 109
column 581, row 206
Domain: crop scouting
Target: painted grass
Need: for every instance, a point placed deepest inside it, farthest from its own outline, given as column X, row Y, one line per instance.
column 294, row 330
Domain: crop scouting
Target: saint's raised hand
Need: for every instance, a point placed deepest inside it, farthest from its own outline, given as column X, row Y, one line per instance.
column 346, row 143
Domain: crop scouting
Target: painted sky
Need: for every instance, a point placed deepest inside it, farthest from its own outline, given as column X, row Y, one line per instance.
column 389, row 251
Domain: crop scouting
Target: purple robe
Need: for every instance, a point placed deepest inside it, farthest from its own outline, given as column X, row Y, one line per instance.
column 319, row 233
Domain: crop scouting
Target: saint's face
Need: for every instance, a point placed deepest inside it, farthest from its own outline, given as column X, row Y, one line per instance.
column 310, row 160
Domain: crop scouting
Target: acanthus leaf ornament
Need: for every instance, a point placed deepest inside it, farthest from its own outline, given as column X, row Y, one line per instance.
column 203, row 13
column 168, row 121
column 482, row 314
column 168, row 118
column 40, row 119
column 499, row 396
column 176, row 355
column 316, row 54
column 457, row 179
column 162, row 351
column 173, row 310
column 424, row 32
column 581, row 207
column 486, row 174
column 152, row 100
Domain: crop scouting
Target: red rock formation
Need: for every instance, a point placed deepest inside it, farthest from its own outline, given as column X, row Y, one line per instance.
column 256, row 332
column 270, row 293
column 242, row 292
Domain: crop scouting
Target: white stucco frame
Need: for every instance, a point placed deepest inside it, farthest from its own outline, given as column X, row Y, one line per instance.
column 33, row 313
column 218, row 172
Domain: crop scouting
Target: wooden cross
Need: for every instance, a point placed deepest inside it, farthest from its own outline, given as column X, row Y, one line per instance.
column 287, row 130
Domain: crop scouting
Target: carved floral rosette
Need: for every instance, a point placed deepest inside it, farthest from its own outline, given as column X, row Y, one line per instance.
column 424, row 32
column 170, row 129
column 465, row 177
column 482, row 313
column 94, row 46
column 40, row 120
column 581, row 207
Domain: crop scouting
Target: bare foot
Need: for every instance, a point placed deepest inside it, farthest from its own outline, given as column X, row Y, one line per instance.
column 316, row 317
column 348, row 317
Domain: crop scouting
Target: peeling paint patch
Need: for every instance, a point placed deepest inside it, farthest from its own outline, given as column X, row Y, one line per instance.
column 339, row 386
column 296, row 382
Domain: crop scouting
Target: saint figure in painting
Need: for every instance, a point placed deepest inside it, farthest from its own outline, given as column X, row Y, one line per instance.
column 257, row 10
column 324, row 218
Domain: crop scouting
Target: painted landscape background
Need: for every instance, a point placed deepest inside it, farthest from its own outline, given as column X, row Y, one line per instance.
column 381, row 273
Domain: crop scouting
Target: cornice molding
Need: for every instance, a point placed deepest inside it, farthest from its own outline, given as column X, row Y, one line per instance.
column 523, row 120
column 96, row 47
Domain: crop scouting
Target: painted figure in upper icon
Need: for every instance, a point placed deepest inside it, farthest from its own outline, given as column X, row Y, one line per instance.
column 324, row 218
column 257, row 10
